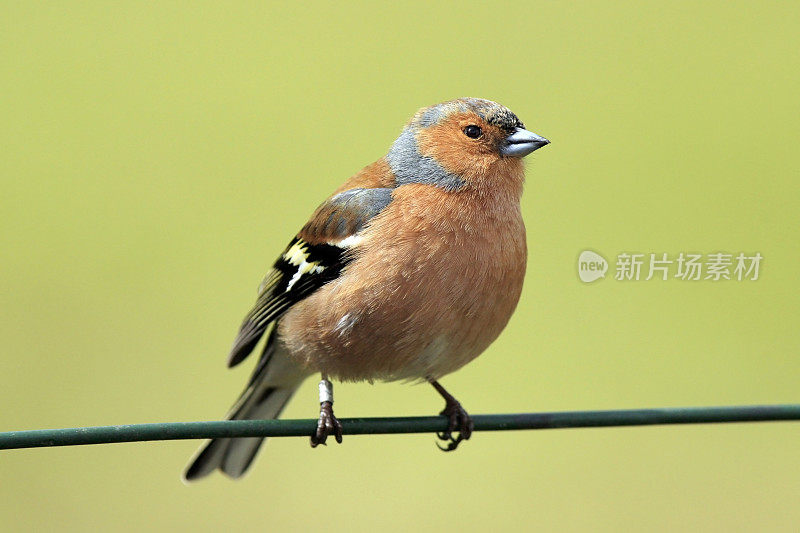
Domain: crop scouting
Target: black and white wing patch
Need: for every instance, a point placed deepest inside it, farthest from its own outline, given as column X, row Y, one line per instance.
column 313, row 258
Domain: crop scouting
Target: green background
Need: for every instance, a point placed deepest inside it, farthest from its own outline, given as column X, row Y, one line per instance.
column 156, row 157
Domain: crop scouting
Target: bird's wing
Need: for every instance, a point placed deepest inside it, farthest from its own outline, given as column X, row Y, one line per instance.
column 314, row 257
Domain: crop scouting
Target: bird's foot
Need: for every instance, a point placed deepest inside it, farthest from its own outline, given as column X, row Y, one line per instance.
column 458, row 420
column 328, row 425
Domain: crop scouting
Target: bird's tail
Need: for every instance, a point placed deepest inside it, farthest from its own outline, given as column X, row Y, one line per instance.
column 274, row 381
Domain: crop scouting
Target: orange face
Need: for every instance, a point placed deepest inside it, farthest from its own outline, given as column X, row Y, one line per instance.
column 464, row 142
column 467, row 145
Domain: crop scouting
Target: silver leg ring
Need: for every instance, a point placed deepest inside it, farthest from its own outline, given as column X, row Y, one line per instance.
column 325, row 391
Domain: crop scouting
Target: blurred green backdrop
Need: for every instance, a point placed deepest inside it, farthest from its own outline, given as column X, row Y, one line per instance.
column 156, row 157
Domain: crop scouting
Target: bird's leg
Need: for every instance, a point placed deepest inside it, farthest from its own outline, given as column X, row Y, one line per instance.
column 458, row 418
column 328, row 424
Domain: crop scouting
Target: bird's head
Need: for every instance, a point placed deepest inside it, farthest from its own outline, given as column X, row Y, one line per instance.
column 468, row 141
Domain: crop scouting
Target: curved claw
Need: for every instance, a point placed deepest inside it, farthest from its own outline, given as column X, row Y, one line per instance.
column 458, row 421
column 328, row 424
column 452, row 445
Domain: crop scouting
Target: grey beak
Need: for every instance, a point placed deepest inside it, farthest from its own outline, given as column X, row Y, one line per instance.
column 522, row 142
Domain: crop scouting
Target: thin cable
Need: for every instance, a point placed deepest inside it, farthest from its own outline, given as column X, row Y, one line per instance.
column 373, row 426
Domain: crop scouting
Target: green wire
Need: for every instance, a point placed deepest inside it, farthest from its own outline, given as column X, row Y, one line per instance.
column 373, row 426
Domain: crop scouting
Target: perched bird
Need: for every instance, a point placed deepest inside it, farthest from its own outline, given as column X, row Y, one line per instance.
column 408, row 271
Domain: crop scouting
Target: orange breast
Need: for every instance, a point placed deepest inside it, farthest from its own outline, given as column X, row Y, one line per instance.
column 433, row 283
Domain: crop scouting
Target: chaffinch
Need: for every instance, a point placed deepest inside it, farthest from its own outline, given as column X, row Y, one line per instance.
column 408, row 271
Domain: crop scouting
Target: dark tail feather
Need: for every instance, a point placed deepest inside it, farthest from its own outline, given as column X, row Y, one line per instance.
column 234, row 456
column 272, row 384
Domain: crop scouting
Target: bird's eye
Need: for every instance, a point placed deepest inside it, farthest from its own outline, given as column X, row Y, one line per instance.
column 472, row 131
